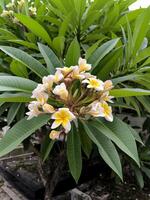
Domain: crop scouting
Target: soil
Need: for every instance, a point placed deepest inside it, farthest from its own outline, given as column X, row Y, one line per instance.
column 106, row 189
column 101, row 188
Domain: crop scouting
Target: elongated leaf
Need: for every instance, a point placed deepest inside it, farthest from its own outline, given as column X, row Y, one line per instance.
column 18, row 69
column 30, row 62
column 106, row 148
column 18, row 97
column 109, row 64
column 86, row 142
column 146, row 171
column 102, row 51
column 19, row 132
column 142, row 55
column 91, row 49
column 110, row 155
column 24, row 43
column 14, row 83
column 139, row 176
column 58, row 44
column 51, row 55
column 73, row 53
column 120, row 134
column 7, row 33
column 12, row 112
column 136, row 135
column 35, row 27
column 47, row 54
column 74, row 153
column 129, row 92
column 140, row 29
column 46, row 147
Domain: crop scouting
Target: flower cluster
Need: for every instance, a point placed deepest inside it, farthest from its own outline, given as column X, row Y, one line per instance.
column 17, row 6
column 69, row 94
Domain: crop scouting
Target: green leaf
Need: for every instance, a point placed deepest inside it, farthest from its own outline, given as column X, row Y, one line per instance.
column 109, row 64
column 136, row 135
column 30, row 45
column 129, row 92
column 91, row 49
column 142, row 55
column 139, row 176
column 64, row 26
column 35, row 27
column 110, row 155
column 146, row 171
column 120, row 134
column 12, row 112
column 74, row 153
column 140, row 29
column 80, row 6
column 30, row 62
column 47, row 54
column 147, row 62
column 106, row 148
column 101, row 52
column 58, row 44
column 6, row 33
column 17, row 97
column 86, row 142
column 18, row 69
column 145, row 101
column 73, row 53
column 14, row 83
column 46, row 147
column 51, row 55
column 20, row 131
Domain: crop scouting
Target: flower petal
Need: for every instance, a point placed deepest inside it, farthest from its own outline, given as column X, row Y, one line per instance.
column 56, row 123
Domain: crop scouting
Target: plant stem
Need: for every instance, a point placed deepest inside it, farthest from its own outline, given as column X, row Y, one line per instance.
column 56, row 166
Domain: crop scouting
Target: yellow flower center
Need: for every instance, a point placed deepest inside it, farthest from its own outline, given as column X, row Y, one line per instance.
column 94, row 83
column 107, row 109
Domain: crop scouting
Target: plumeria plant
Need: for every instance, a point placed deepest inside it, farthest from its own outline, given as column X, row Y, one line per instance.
column 80, row 94
column 70, row 106
column 68, row 68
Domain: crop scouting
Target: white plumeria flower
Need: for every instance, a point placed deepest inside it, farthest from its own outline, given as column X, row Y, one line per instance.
column 63, row 117
column 33, row 10
column 96, row 109
column 6, row 13
column 105, row 97
column 65, row 70
column 54, row 134
column 40, row 94
column 88, row 75
column 34, row 109
column 83, row 66
column 108, row 85
column 107, row 111
column 75, row 74
column 48, row 108
column 61, row 91
column 94, row 83
column 48, row 82
column 10, row 5
column 58, row 76
column 21, row 3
